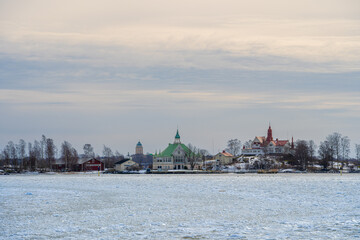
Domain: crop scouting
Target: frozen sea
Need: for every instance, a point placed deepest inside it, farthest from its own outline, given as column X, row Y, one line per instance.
column 224, row 206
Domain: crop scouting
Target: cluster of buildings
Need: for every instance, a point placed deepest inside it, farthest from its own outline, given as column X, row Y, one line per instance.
column 262, row 145
column 178, row 156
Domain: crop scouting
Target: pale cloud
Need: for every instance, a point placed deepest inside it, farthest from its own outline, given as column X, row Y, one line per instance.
column 202, row 37
column 97, row 97
column 112, row 71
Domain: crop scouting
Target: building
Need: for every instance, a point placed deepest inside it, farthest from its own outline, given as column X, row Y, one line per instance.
column 126, row 164
column 144, row 160
column 176, row 156
column 82, row 164
column 267, row 145
column 224, row 157
column 90, row 164
column 139, row 148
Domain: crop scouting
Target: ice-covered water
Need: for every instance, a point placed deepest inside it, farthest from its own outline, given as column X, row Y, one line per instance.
column 250, row 206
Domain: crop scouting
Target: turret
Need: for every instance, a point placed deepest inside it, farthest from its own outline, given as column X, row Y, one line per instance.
column 269, row 135
column 139, row 148
column 177, row 137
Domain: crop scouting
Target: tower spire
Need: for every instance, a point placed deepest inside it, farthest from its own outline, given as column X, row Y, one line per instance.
column 269, row 137
column 177, row 137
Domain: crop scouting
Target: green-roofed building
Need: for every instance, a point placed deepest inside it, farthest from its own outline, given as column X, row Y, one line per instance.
column 175, row 156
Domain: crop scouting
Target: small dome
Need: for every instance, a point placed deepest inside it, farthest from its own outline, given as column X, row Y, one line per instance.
column 177, row 136
column 139, row 144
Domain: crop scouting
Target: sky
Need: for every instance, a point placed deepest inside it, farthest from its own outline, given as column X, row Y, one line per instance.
column 115, row 72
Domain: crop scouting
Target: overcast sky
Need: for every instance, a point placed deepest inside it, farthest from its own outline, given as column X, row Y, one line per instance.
column 114, row 72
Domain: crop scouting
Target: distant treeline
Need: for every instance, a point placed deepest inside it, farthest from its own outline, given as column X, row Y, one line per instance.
column 42, row 154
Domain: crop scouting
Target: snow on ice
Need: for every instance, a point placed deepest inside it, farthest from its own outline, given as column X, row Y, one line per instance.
column 224, row 206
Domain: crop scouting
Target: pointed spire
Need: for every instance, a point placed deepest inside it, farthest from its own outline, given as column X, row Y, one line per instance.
column 177, row 137
column 177, row 134
column 269, row 137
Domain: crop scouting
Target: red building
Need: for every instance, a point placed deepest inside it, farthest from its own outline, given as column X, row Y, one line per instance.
column 83, row 165
column 91, row 164
column 262, row 145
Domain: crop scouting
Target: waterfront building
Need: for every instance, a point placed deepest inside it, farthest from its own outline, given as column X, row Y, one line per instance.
column 126, row 164
column 175, row 156
column 82, row 164
column 267, row 145
column 224, row 157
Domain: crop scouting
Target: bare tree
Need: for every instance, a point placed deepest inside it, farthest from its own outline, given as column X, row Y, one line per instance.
column 32, row 158
column 6, row 155
column 312, row 149
column 66, row 154
column 74, row 157
column 107, row 153
column 234, row 146
column 344, row 147
column 326, row 153
column 357, row 151
column 50, row 149
column 248, row 143
column 191, row 155
column 334, row 140
column 21, row 148
column 43, row 147
column 302, row 153
column 88, row 151
column 34, row 152
column 11, row 152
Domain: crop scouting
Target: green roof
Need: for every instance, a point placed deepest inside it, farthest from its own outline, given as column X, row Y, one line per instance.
column 171, row 148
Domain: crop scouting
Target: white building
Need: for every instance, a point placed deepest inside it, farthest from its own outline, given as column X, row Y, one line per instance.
column 264, row 146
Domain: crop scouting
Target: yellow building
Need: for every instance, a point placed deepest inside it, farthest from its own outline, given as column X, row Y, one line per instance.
column 224, row 157
column 125, row 164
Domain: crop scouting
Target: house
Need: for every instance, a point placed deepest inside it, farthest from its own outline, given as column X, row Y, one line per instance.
column 82, row 164
column 125, row 164
column 176, row 156
column 224, row 157
column 90, row 164
column 267, row 145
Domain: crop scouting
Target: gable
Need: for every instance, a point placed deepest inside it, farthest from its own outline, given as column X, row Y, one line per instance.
column 178, row 151
column 170, row 150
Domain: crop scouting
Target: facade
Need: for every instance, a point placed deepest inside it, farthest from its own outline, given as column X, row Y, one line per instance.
column 139, row 148
column 82, row 164
column 144, row 161
column 125, row 164
column 267, row 145
column 91, row 164
column 224, row 157
column 176, row 156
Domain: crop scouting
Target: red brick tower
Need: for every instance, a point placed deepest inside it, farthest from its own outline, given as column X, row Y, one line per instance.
column 269, row 135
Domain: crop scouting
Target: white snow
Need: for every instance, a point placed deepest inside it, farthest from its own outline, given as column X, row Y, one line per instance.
column 219, row 206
